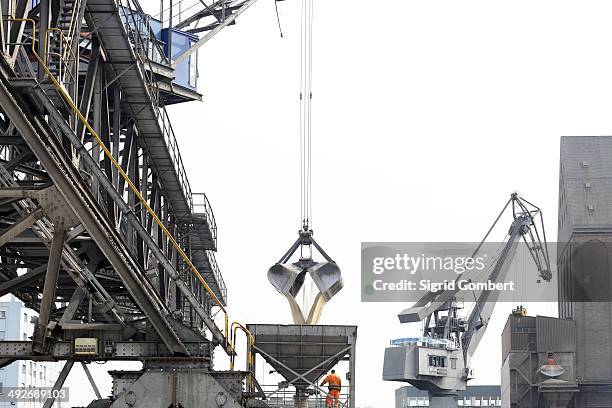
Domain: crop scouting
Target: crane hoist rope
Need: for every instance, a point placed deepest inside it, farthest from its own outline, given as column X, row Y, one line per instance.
column 286, row 276
column 306, row 114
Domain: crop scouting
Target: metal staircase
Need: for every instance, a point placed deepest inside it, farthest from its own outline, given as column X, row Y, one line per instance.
column 119, row 26
column 62, row 44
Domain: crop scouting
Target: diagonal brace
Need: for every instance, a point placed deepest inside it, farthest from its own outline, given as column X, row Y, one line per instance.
column 11, row 233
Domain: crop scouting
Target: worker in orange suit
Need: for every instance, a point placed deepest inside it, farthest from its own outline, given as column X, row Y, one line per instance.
column 334, row 384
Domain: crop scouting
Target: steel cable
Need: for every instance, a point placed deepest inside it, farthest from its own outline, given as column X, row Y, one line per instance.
column 306, row 114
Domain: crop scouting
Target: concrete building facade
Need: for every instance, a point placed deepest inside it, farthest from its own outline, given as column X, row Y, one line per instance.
column 16, row 324
column 584, row 254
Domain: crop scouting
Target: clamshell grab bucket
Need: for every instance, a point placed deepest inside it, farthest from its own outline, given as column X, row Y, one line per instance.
column 288, row 278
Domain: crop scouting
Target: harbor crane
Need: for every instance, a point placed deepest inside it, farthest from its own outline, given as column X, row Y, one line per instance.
column 439, row 361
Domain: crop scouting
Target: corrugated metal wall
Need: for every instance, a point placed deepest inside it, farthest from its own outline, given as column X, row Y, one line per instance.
column 518, row 335
column 556, row 335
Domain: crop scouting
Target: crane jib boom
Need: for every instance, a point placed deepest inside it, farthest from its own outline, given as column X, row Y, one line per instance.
column 485, row 303
column 429, row 307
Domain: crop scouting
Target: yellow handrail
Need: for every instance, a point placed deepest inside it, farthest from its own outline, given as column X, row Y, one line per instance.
column 131, row 185
column 250, row 360
column 67, row 49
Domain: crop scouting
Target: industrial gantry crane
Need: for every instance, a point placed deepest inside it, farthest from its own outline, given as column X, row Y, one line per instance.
column 439, row 361
column 100, row 231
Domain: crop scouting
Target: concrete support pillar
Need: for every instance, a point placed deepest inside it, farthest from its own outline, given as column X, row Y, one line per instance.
column 443, row 401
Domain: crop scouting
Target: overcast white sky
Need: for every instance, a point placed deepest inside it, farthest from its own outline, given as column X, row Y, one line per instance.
column 427, row 115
